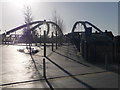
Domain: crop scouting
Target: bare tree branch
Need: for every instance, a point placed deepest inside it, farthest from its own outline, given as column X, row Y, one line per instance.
column 58, row 20
column 28, row 19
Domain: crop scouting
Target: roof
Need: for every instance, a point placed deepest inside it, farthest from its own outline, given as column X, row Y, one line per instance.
column 99, row 39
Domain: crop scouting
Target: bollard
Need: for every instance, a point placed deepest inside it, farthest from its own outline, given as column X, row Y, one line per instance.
column 44, row 68
column 44, row 43
column 56, row 39
column 52, row 41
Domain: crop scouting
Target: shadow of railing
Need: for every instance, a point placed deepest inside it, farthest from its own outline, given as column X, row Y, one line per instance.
column 72, row 59
column 45, row 78
column 72, row 76
column 35, row 66
column 69, row 52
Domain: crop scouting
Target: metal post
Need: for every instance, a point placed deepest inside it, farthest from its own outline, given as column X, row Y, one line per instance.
column 30, row 48
column 44, row 68
column 10, row 39
column 44, row 43
column 15, row 37
column 5, row 37
column 40, row 36
column 52, row 41
column 56, row 39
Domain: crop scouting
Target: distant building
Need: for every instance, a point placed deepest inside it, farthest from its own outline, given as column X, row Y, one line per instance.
column 94, row 47
column 97, row 47
column 117, row 48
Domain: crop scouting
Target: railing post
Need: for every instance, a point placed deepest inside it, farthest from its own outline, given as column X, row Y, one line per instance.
column 40, row 36
column 52, row 41
column 40, row 39
column 10, row 39
column 44, row 68
column 5, row 37
column 44, row 74
column 56, row 39
column 15, row 37
column 44, row 43
column 30, row 48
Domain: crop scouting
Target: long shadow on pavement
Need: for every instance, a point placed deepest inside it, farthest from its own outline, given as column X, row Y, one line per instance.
column 115, row 69
column 35, row 66
column 40, row 74
column 72, row 59
column 78, row 80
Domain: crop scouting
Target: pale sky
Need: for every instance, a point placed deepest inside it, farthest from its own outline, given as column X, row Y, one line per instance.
column 103, row 14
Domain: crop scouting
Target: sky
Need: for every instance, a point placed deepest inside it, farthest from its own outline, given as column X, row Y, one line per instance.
column 102, row 14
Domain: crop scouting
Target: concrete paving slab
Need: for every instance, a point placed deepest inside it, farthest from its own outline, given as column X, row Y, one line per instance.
column 99, row 80
column 36, row 84
column 67, row 69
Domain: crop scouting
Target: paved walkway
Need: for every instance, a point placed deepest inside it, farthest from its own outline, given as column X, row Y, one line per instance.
column 65, row 68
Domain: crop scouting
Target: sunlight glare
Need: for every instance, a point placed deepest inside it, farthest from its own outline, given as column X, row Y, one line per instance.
column 21, row 3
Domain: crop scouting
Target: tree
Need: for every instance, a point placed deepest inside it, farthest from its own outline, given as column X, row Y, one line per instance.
column 59, row 21
column 27, row 32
